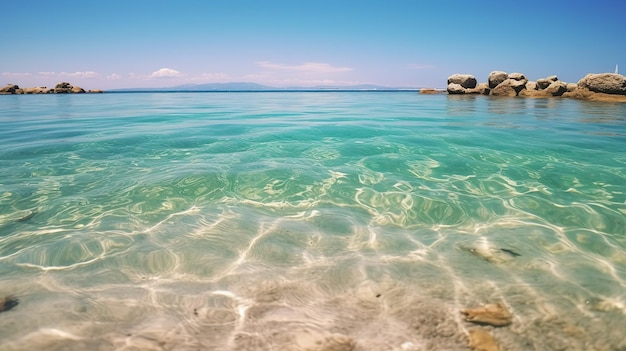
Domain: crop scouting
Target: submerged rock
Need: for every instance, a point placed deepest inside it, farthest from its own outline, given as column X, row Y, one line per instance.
column 25, row 215
column 431, row 91
column 602, row 305
column 17, row 216
column 481, row 340
column 490, row 253
column 8, row 302
column 494, row 314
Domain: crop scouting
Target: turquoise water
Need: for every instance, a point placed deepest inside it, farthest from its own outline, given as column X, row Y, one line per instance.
column 274, row 220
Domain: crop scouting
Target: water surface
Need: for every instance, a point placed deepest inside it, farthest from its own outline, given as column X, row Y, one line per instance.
column 270, row 220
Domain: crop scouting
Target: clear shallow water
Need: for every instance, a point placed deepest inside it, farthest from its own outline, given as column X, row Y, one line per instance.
column 276, row 220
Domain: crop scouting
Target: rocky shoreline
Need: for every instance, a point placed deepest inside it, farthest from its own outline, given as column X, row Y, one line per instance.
column 61, row 88
column 609, row 87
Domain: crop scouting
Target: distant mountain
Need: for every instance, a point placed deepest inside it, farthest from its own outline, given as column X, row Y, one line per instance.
column 234, row 86
column 222, row 87
column 248, row 86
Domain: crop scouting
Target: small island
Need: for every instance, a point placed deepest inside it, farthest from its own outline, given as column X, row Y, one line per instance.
column 61, row 88
column 610, row 87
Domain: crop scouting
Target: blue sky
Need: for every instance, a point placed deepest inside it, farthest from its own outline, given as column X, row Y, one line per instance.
column 411, row 43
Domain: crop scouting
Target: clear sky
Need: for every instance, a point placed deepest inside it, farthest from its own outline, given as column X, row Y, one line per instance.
column 410, row 43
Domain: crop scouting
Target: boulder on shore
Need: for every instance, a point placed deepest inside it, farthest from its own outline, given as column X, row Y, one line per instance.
column 607, row 83
column 557, row 88
column 496, row 77
column 37, row 90
column 63, row 88
column 467, row 81
column 545, row 82
column 454, row 88
column 482, row 89
column 510, row 87
column 9, row 89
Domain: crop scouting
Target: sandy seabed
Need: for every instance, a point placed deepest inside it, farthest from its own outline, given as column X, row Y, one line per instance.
column 328, row 309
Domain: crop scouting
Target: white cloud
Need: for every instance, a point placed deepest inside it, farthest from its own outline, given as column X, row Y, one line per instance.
column 419, row 66
column 308, row 67
column 165, row 73
column 114, row 76
column 16, row 74
column 80, row 74
column 86, row 74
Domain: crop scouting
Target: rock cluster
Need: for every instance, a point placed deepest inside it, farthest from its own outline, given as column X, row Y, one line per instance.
column 61, row 88
column 600, row 87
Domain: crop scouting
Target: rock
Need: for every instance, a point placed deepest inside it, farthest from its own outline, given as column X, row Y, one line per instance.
column 496, row 77
column 543, row 83
column 490, row 253
column 572, row 87
column 9, row 89
column 482, row 89
column 530, row 85
column 556, row 88
column 532, row 93
column 510, row 87
column 481, row 340
column 518, row 77
column 37, row 90
column 63, row 88
column 588, row 95
column 464, row 80
column 454, row 88
column 78, row 90
column 23, row 216
column 607, row 83
column 495, row 314
column 98, row 91
column 8, row 302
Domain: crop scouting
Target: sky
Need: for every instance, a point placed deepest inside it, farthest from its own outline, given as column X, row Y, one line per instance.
column 286, row 43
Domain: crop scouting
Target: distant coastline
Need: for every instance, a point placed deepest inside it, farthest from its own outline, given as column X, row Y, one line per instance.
column 67, row 88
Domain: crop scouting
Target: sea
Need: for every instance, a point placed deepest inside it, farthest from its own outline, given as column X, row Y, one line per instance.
column 317, row 220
